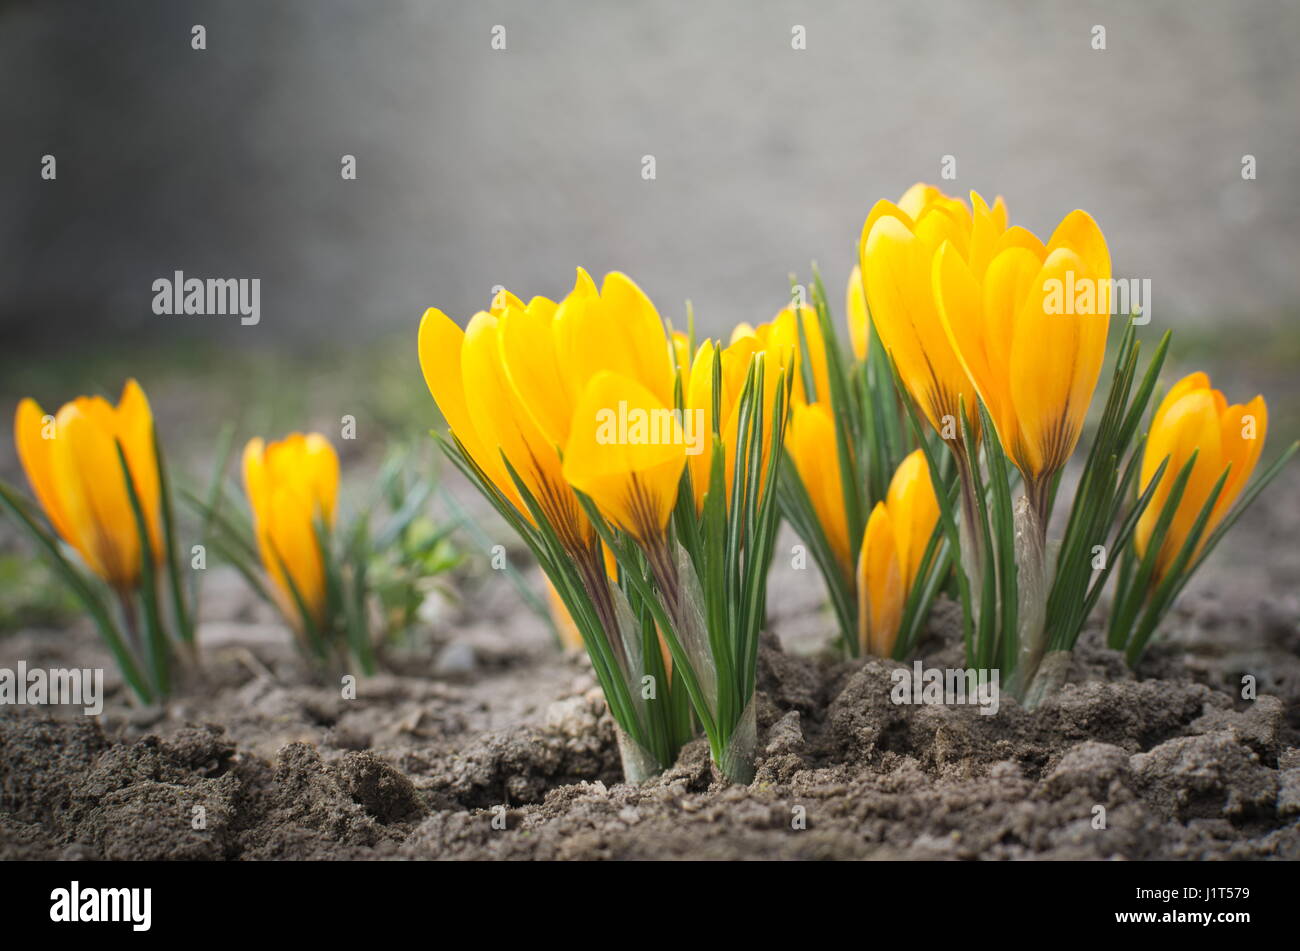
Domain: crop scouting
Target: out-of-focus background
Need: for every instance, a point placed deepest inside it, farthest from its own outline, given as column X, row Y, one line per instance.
column 479, row 166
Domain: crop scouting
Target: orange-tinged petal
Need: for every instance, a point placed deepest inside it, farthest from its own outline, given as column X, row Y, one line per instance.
column 1243, row 432
column 36, row 453
column 92, row 487
column 1191, row 424
column 134, row 429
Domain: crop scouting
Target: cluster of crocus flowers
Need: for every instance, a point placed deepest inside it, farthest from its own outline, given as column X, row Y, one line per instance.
column 969, row 307
column 893, row 550
column 97, row 474
column 1194, row 419
column 523, row 387
column 585, row 421
column 989, row 327
column 292, row 487
column 544, row 399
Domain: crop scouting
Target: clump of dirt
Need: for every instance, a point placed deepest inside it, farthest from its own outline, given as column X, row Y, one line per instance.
column 265, row 764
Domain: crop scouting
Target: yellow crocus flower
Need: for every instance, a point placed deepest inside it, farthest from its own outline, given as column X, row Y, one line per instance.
column 480, row 397
column 1033, row 356
column 855, row 309
column 811, row 442
column 897, row 250
column 1194, row 417
column 441, row 347
column 628, row 444
column 72, row 464
column 893, row 546
column 290, row 485
column 514, row 386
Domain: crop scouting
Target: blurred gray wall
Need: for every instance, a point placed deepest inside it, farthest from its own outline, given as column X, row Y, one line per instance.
column 479, row 167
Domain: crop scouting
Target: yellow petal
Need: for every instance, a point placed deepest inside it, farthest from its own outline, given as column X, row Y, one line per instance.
column 36, row 453
column 788, row 331
column 812, row 445
column 1243, row 432
column 1008, row 284
column 1055, row 361
column 855, row 306
column 440, row 345
column 291, row 484
column 880, row 585
column 506, row 427
column 620, row 331
column 1081, row 234
column 917, row 198
column 897, row 272
column 92, row 487
column 134, row 422
column 627, row 451
column 741, row 329
column 699, row 400
column 528, row 354
column 961, row 312
column 1191, row 424
column 291, row 537
column 913, row 511
column 681, row 351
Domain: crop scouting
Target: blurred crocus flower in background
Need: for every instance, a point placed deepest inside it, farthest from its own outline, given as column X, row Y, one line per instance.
column 71, row 460
column 292, row 487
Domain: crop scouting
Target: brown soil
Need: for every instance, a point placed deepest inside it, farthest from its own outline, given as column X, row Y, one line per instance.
column 489, row 722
